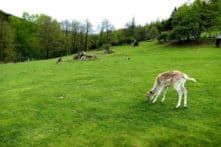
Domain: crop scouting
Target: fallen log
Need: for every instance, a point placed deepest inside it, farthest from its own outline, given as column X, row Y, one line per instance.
column 84, row 56
column 59, row 60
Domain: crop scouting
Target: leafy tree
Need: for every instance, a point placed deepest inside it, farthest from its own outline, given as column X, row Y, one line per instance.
column 164, row 36
column 6, row 41
column 118, row 37
column 191, row 20
column 50, row 36
column 214, row 14
column 140, row 33
column 66, row 28
column 186, row 24
column 152, row 32
column 93, row 44
column 25, row 37
column 32, row 35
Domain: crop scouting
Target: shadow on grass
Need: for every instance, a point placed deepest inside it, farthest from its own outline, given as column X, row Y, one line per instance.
column 144, row 114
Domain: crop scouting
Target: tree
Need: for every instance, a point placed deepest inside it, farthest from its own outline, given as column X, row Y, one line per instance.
column 31, row 18
column 101, row 39
column 26, row 38
column 152, row 32
column 191, row 20
column 130, row 29
column 6, row 41
column 66, row 28
column 75, row 26
column 186, row 23
column 50, row 36
column 213, row 11
column 81, row 38
column 118, row 37
column 31, row 35
column 88, row 27
column 106, row 28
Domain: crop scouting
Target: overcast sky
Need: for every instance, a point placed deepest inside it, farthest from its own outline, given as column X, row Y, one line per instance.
column 118, row 12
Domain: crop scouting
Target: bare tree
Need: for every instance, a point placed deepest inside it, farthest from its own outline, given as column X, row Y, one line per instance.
column 75, row 29
column 107, row 27
column 88, row 27
column 131, row 26
column 66, row 27
column 81, row 38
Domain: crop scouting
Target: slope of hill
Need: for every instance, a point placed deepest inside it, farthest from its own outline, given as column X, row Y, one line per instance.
column 103, row 103
column 4, row 16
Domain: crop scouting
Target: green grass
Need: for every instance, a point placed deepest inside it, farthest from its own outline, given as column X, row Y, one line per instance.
column 103, row 103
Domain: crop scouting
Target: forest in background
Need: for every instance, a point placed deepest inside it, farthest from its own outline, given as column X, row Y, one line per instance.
column 35, row 37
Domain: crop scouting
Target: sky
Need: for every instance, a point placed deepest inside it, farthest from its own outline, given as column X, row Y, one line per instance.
column 118, row 12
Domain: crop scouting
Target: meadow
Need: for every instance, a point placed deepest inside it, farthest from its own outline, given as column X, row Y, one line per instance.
column 103, row 102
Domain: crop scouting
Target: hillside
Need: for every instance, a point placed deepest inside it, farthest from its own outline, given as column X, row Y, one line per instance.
column 4, row 15
column 102, row 102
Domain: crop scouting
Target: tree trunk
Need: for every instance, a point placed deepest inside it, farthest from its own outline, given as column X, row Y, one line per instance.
column 86, row 37
column 81, row 42
column 74, row 43
column 84, row 56
column 47, row 53
column 85, row 44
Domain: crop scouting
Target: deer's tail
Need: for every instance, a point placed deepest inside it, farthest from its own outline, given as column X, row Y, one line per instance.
column 189, row 78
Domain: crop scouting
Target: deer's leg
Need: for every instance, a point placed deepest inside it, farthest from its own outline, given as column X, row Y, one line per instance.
column 158, row 93
column 185, row 95
column 179, row 92
column 164, row 94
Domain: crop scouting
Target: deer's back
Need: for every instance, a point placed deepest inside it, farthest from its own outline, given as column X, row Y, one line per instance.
column 169, row 78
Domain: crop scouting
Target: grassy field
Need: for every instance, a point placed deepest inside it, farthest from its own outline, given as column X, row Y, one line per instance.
column 103, row 103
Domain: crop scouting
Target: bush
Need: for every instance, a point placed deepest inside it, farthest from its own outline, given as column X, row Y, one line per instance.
column 116, row 43
column 164, row 36
column 128, row 40
column 106, row 48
